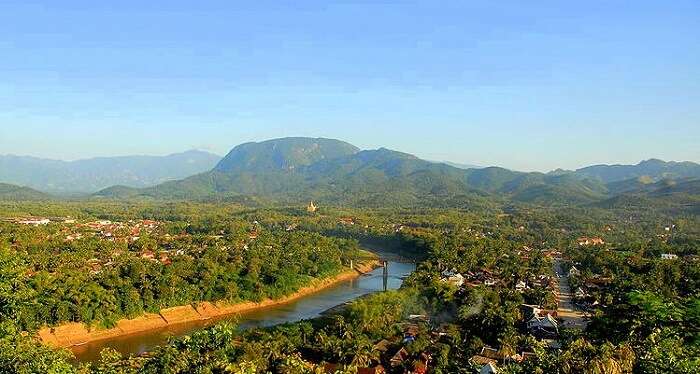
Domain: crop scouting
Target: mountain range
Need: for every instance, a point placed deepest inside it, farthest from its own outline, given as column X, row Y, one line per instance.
column 95, row 174
column 333, row 171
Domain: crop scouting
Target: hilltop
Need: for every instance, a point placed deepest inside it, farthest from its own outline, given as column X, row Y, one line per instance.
column 10, row 192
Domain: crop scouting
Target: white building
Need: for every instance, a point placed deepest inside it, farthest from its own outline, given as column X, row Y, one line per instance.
column 35, row 221
column 547, row 323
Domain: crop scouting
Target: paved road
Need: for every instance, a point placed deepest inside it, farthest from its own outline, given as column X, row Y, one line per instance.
column 566, row 310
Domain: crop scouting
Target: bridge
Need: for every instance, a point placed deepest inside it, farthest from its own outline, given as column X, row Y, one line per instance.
column 387, row 257
column 384, row 259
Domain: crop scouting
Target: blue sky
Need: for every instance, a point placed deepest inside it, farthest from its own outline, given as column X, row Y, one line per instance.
column 521, row 84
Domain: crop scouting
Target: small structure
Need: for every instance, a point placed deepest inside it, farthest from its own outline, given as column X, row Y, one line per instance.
column 521, row 286
column 546, row 324
column 580, row 293
column 452, row 277
column 574, row 272
column 311, row 208
column 489, row 368
column 35, row 221
column 399, row 357
column 585, row 241
column 668, row 256
column 349, row 221
column 148, row 255
column 379, row 369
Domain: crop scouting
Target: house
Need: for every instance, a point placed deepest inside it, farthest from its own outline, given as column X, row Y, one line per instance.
column 399, row 357
column 420, row 367
column 347, row 221
column 95, row 266
column 419, row 318
column 410, row 333
column 492, row 353
column 379, row 369
column 526, row 356
column 668, row 256
column 149, row 223
column 35, row 221
column 585, row 241
column 481, row 360
column 546, row 324
column 452, row 277
column 489, row 368
column 165, row 259
column 148, row 255
column 382, row 346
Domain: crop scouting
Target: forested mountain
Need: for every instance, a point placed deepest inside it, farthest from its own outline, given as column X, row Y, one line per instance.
column 90, row 175
column 282, row 154
column 669, row 196
column 652, row 169
column 299, row 169
column 9, row 192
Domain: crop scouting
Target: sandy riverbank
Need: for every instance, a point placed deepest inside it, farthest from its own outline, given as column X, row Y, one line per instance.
column 76, row 334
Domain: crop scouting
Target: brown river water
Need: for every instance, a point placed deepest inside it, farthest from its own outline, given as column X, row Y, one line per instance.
column 307, row 307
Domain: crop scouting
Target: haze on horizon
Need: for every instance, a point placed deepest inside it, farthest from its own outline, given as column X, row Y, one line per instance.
column 523, row 86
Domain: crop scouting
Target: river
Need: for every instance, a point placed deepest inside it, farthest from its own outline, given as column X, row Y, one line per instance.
column 307, row 307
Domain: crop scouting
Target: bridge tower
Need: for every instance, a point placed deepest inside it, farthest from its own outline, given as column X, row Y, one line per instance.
column 385, row 275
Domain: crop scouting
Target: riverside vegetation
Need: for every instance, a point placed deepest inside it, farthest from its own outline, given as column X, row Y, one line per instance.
column 643, row 309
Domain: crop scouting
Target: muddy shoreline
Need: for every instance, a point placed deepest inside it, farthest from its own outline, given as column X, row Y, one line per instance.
column 76, row 334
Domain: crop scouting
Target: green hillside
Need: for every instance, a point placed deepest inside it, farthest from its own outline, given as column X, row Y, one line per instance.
column 668, row 196
column 332, row 171
column 652, row 169
column 9, row 192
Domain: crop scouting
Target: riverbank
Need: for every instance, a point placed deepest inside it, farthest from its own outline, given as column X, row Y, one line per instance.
column 77, row 334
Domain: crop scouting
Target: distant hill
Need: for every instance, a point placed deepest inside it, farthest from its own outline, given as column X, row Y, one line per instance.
column 653, row 169
column 461, row 166
column 671, row 196
column 90, row 175
column 10, row 192
column 301, row 169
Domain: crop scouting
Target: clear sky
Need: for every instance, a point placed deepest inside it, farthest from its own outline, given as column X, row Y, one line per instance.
column 529, row 85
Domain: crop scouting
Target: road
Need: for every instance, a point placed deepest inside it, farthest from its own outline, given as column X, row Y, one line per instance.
column 567, row 312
